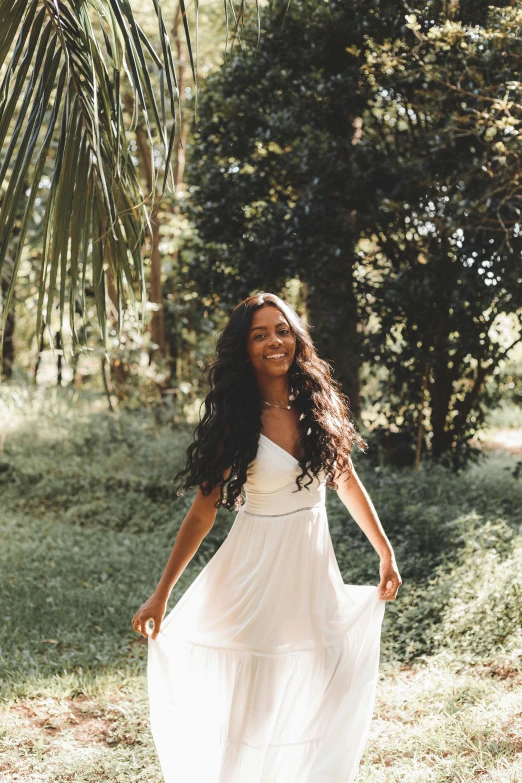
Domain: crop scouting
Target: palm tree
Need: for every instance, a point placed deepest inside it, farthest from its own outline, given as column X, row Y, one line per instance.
column 63, row 66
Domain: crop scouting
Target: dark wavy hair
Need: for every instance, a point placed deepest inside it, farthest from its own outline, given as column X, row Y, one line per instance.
column 227, row 436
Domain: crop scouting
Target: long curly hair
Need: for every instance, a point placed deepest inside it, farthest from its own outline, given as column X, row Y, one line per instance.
column 227, row 435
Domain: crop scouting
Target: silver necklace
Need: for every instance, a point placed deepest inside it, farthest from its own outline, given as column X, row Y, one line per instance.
column 284, row 407
column 291, row 397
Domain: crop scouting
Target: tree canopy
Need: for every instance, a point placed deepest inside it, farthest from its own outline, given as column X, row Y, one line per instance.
column 376, row 156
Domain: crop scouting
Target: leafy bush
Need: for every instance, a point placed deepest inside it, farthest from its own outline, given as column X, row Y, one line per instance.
column 471, row 606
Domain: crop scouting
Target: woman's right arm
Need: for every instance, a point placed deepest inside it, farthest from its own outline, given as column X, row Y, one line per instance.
column 197, row 524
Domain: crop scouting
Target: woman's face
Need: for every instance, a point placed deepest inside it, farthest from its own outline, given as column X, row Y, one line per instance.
column 270, row 342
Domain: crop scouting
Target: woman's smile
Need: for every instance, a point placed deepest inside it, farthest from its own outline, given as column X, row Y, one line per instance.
column 274, row 357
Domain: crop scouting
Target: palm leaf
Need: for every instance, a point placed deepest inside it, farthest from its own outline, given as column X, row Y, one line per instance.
column 92, row 160
column 18, row 178
column 30, row 202
column 64, row 67
column 77, row 229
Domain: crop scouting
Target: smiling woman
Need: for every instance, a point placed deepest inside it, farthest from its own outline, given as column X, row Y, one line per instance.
column 266, row 668
column 245, row 384
column 271, row 340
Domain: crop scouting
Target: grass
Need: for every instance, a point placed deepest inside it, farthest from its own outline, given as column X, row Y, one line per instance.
column 431, row 725
column 101, row 735
column 434, row 724
column 87, row 521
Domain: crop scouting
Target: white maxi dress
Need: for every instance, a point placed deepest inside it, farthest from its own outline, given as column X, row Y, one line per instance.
column 266, row 668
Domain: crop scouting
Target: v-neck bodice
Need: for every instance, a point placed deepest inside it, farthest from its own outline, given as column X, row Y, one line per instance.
column 293, row 459
column 271, row 486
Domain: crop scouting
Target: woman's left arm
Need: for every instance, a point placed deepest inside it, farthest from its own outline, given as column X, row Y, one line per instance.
column 354, row 496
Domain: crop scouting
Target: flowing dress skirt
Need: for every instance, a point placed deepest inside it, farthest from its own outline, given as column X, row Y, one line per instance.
column 265, row 670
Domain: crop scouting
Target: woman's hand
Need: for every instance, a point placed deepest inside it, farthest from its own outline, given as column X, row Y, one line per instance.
column 390, row 580
column 153, row 609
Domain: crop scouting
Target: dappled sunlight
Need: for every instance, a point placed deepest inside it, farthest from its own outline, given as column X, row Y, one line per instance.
column 46, row 413
column 73, row 437
column 503, row 439
column 430, row 721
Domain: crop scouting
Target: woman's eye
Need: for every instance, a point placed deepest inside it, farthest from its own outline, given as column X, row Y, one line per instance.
column 281, row 331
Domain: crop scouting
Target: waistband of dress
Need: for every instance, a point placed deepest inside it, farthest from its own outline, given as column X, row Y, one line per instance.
column 317, row 507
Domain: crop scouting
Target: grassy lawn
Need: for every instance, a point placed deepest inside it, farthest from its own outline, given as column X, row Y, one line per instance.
column 87, row 520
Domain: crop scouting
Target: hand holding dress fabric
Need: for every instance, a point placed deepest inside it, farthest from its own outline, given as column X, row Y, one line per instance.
column 390, row 581
column 153, row 609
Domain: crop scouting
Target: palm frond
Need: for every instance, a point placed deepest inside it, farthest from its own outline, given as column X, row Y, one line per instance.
column 64, row 75
column 64, row 66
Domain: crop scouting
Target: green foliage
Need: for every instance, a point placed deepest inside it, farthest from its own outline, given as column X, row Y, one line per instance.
column 471, row 606
column 506, row 416
column 376, row 157
column 422, row 512
column 510, row 383
column 72, row 669
column 89, row 516
column 70, row 456
column 457, row 540
column 273, row 173
column 442, row 155
column 82, row 549
column 68, row 595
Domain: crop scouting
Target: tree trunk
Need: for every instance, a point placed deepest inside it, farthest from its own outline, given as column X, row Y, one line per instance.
column 155, row 290
column 107, row 385
column 441, row 387
column 155, row 293
column 40, row 346
column 333, row 314
column 118, row 369
column 440, row 393
column 59, row 356
column 464, row 408
column 420, row 421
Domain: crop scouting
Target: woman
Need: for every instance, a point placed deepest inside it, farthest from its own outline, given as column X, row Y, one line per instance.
column 265, row 670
